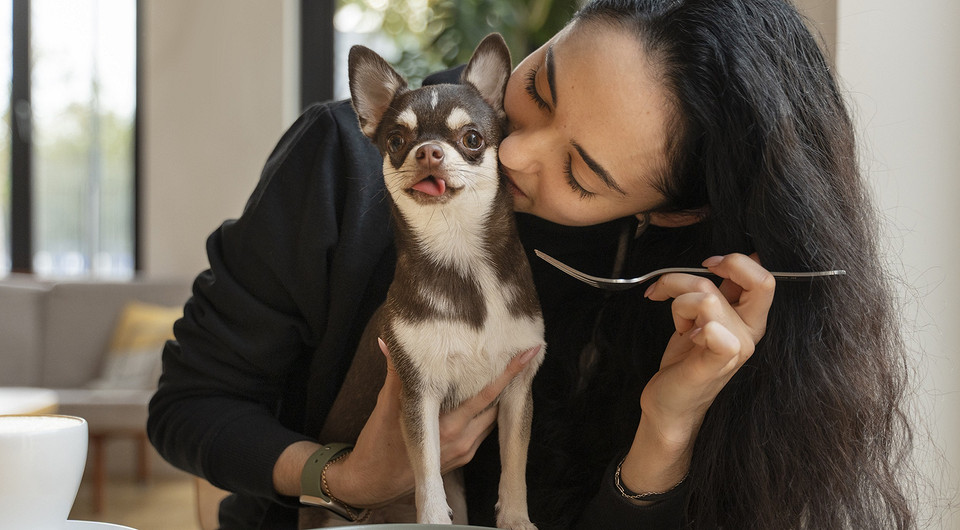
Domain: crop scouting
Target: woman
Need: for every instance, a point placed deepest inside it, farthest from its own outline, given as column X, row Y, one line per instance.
column 645, row 134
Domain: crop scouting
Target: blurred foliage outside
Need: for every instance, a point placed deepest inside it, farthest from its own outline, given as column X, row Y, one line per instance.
column 432, row 35
column 63, row 164
column 67, row 154
column 83, row 104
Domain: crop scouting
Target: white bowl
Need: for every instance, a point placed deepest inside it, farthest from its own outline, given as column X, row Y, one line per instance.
column 42, row 459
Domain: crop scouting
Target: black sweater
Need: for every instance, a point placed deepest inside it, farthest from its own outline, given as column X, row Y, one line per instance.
column 269, row 332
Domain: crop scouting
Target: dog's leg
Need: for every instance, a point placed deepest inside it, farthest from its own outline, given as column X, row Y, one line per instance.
column 422, row 432
column 513, row 421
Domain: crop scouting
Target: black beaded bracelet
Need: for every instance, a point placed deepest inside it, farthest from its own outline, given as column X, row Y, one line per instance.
column 652, row 496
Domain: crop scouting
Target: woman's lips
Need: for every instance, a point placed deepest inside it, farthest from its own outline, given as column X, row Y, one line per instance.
column 514, row 189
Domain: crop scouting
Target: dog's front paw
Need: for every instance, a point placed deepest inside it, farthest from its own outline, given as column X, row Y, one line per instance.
column 515, row 522
column 435, row 513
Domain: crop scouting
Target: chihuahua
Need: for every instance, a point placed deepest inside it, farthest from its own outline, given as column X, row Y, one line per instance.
column 462, row 302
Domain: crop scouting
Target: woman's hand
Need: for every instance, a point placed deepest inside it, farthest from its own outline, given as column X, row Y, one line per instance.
column 378, row 470
column 717, row 329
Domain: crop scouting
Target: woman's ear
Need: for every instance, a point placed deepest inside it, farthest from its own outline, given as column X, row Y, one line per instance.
column 676, row 219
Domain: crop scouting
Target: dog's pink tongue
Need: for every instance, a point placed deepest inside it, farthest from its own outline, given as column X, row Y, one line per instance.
column 431, row 186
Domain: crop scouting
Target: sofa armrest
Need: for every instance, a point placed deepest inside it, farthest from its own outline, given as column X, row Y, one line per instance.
column 21, row 336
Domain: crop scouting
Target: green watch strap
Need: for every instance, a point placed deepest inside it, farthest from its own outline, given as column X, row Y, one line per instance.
column 311, row 482
column 311, row 478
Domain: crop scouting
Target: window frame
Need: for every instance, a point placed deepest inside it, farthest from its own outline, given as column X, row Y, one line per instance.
column 21, row 172
column 21, row 147
column 316, row 51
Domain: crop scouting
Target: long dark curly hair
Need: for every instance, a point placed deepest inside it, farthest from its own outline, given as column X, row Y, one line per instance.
column 811, row 432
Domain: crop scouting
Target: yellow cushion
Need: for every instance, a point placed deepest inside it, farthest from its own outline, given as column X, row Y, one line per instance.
column 133, row 360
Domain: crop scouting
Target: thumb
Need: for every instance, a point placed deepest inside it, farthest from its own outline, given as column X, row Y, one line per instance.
column 391, row 382
column 386, row 353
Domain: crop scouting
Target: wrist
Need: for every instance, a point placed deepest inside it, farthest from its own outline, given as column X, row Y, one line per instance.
column 315, row 481
column 288, row 468
column 336, row 477
column 646, row 496
column 656, row 462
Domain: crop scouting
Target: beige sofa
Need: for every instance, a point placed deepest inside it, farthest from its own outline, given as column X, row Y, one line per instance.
column 56, row 334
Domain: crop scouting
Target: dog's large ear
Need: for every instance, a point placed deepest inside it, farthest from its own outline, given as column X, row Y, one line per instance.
column 489, row 69
column 373, row 85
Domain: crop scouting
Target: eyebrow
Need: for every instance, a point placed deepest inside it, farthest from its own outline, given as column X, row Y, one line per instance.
column 551, row 79
column 595, row 166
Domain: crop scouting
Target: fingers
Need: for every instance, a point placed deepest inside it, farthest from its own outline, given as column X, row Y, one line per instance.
column 491, row 393
column 460, row 440
column 694, row 309
column 747, row 287
column 756, row 285
column 487, row 397
column 721, row 349
column 462, row 429
column 391, row 383
column 386, row 353
column 744, row 271
column 476, row 417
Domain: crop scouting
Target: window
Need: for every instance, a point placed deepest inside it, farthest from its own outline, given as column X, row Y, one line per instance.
column 77, row 114
column 6, row 73
column 417, row 36
column 423, row 36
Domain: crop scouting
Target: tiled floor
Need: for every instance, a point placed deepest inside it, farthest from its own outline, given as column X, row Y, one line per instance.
column 163, row 503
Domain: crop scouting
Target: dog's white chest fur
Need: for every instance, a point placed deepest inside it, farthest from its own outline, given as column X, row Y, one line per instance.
column 455, row 359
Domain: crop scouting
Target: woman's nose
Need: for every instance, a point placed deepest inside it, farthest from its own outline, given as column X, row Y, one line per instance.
column 521, row 151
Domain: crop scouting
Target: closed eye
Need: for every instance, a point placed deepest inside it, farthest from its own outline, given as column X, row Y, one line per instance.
column 531, row 87
column 572, row 181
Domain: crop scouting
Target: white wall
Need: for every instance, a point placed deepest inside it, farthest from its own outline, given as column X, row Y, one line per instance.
column 219, row 88
column 822, row 15
column 900, row 62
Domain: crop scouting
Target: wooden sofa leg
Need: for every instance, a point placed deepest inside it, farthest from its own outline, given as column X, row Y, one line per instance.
column 143, row 457
column 99, row 472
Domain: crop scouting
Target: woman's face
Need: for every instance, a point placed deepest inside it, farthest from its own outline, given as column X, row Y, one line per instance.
column 588, row 124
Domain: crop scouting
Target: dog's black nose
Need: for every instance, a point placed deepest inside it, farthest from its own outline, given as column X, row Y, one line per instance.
column 429, row 155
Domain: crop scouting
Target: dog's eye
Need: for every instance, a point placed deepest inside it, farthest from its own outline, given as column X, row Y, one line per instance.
column 395, row 142
column 472, row 140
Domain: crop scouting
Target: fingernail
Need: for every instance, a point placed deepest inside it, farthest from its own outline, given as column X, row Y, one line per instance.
column 649, row 291
column 712, row 261
column 530, row 354
column 383, row 345
column 694, row 333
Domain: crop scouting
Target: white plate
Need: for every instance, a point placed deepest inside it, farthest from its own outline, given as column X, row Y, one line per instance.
column 94, row 525
column 413, row 526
